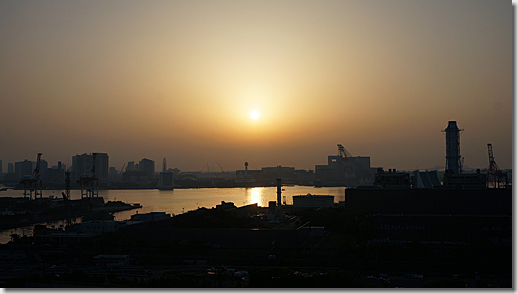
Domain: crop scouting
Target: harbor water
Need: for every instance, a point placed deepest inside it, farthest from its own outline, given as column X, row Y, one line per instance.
column 180, row 200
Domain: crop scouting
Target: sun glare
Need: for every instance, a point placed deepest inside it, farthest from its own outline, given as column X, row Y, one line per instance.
column 254, row 114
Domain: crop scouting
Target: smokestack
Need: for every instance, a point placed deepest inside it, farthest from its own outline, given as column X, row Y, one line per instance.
column 452, row 147
column 279, row 192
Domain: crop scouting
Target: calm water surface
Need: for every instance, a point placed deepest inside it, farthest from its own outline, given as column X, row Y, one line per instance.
column 181, row 200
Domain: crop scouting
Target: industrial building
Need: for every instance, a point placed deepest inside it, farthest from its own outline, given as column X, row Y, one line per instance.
column 344, row 170
column 166, row 180
column 392, row 179
column 430, row 201
column 425, row 179
column 314, row 201
column 453, row 174
column 460, row 193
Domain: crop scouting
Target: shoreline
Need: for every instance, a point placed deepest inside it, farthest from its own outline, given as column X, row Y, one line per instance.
column 18, row 223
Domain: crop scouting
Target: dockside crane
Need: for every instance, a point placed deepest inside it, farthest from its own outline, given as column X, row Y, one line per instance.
column 89, row 183
column 66, row 198
column 495, row 177
column 37, row 177
column 37, row 169
column 220, row 167
column 33, row 182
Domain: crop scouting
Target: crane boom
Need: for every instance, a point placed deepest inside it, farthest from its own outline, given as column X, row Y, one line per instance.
column 220, row 166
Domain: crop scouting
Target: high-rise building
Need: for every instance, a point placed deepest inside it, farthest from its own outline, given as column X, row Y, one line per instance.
column 83, row 163
column 147, row 166
column 131, row 166
column 102, row 167
column 10, row 168
column 23, row 168
column 56, row 174
column 43, row 166
column 114, row 173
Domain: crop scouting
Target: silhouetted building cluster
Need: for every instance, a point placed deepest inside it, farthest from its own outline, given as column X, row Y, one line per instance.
column 84, row 163
column 344, row 171
column 341, row 170
column 142, row 172
column 269, row 175
column 54, row 175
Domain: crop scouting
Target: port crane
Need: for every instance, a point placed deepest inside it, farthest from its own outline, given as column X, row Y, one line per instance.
column 89, row 183
column 496, row 178
column 33, row 183
column 220, row 167
column 66, row 198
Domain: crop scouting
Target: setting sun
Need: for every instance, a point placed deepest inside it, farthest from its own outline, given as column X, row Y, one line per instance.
column 254, row 114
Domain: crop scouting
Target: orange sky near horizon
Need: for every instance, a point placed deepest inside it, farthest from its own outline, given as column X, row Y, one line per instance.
column 179, row 79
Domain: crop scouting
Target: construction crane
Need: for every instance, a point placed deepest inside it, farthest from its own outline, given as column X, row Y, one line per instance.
column 495, row 177
column 220, row 167
column 122, row 169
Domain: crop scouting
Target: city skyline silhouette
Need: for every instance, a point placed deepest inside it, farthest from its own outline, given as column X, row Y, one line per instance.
column 271, row 83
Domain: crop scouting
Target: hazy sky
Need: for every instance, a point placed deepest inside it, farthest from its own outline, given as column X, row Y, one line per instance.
column 179, row 79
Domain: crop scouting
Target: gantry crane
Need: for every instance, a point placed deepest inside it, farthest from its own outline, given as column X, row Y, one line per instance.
column 495, row 177
column 66, row 198
column 33, row 182
column 89, row 183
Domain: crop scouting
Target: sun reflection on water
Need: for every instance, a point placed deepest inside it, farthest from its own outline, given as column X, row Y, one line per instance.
column 255, row 195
